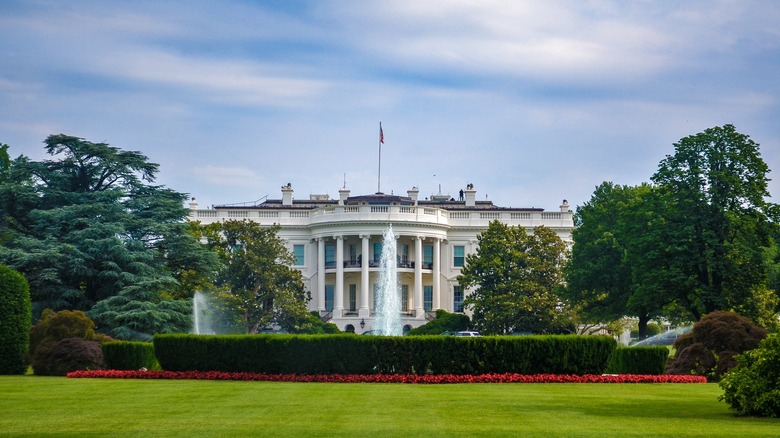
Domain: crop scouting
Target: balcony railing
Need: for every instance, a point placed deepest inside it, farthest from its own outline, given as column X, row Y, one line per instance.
column 386, row 213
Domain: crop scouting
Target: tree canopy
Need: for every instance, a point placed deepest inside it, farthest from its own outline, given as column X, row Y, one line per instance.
column 715, row 187
column 700, row 238
column 603, row 281
column 255, row 280
column 88, row 226
column 515, row 277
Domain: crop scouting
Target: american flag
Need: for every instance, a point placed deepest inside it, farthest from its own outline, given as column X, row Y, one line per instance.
column 381, row 134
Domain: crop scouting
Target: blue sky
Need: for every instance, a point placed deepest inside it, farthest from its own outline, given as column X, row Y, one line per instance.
column 530, row 101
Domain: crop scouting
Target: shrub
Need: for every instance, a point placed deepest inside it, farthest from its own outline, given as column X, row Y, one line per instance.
column 58, row 358
column 638, row 360
column 315, row 325
column 652, row 330
column 55, row 327
column 752, row 387
column 349, row 354
column 128, row 355
column 15, row 317
column 444, row 322
column 709, row 349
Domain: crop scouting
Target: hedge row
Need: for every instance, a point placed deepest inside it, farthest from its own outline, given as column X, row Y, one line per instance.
column 126, row 355
column 638, row 360
column 15, row 317
column 349, row 354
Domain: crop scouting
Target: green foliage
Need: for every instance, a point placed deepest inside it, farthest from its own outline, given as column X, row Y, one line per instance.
column 709, row 349
column 15, row 320
column 138, row 316
column 349, row 354
column 752, row 387
column 71, row 354
column 315, row 325
column 605, row 274
column 53, row 328
column 87, row 226
column 652, row 330
column 255, row 280
column 515, row 276
column 444, row 322
column 126, row 355
column 716, row 224
column 638, row 360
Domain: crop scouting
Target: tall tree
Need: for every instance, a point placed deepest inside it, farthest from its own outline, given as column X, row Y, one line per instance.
column 610, row 241
column 255, row 279
column 716, row 187
column 515, row 277
column 88, row 226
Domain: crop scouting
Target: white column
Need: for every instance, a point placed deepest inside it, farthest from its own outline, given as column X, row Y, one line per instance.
column 338, row 300
column 364, row 310
column 321, row 274
column 418, row 288
column 436, row 273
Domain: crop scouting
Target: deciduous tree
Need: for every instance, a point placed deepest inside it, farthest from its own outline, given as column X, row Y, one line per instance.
column 717, row 223
column 610, row 241
column 514, row 276
column 255, row 278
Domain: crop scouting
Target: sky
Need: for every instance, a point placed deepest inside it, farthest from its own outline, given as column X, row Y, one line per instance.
column 532, row 102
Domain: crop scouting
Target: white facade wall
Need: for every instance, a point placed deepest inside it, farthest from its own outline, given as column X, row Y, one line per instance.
column 339, row 237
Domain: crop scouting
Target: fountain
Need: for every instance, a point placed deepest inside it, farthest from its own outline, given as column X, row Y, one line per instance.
column 201, row 315
column 388, row 296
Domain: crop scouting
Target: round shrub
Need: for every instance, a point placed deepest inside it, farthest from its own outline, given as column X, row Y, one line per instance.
column 709, row 349
column 15, row 317
column 444, row 322
column 55, row 327
column 58, row 358
column 752, row 387
column 61, row 325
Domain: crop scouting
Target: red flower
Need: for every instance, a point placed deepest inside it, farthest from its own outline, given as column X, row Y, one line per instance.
column 391, row 378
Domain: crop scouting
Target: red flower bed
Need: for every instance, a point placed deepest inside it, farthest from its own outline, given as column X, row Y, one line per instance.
column 392, row 378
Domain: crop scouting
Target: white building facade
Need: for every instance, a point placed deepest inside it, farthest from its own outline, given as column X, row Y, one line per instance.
column 338, row 243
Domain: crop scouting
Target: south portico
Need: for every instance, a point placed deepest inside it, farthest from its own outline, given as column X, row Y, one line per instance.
column 337, row 246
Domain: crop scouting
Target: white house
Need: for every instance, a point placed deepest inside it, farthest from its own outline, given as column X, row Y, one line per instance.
column 337, row 245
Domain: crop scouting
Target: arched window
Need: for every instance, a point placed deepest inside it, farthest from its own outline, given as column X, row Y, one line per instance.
column 407, row 327
column 349, row 328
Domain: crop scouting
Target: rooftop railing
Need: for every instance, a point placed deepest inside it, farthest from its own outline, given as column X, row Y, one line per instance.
column 386, row 213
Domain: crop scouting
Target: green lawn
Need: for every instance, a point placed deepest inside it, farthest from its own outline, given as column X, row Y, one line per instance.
column 31, row 405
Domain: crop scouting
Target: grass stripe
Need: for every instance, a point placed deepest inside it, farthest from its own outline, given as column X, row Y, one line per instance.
column 37, row 406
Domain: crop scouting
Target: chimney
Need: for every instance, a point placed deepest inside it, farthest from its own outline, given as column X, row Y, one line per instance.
column 565, row 206
column 287, row 194
column 413, row 192
column 193, row 204
column 343, row 195
column 471, row 195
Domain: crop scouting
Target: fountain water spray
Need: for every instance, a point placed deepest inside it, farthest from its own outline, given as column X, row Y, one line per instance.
column 201, row 315
column 388, row 296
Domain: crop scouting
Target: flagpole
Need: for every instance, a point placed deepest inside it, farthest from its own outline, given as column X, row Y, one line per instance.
column 379, row 171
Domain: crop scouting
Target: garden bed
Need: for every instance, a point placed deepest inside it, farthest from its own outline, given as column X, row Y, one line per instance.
column 391, row 378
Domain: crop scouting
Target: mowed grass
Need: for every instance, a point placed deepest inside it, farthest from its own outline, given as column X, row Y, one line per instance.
column 37, row 406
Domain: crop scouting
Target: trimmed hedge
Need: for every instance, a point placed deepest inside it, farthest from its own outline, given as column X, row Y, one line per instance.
column 638, row 360
column 15, row 321
column 349, row 354
column 128, row 355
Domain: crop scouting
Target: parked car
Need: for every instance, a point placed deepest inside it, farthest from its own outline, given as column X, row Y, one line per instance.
column 468, row 333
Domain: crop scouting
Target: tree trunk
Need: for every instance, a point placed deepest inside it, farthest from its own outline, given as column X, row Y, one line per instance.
column 643, row 320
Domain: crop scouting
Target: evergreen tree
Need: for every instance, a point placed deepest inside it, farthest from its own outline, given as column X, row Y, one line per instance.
column 88, row 226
